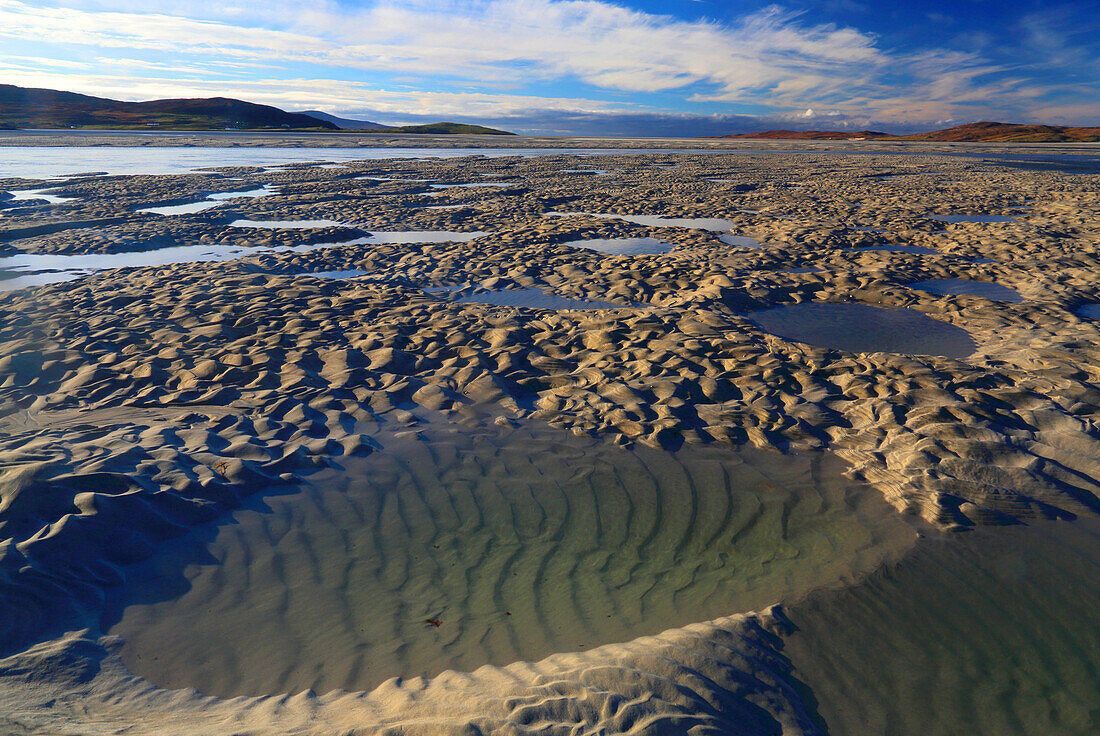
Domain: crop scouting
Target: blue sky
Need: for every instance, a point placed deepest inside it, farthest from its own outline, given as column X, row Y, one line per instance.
column 686, row 67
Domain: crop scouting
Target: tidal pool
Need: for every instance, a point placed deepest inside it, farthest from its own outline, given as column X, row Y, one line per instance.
column 423, row 236
column 24, row 195
column 37, row 269
column 891, row 248
column 1088, row 311
column 475, row 184
column 533, row 298
column 263, row 191
column 996, row 626
column 462, row 544
column 287, row 224
column 986, row 289
column 180, row 209
column 741, row 241
column 212, row 200
column 861, row 328
column 623, row 246
column 712, row 224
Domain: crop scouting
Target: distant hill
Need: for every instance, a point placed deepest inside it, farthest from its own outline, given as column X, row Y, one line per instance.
column 345, row 123
column 449, row 129
column 811, row 135
column 22, row 107
column 969, row 133
column 1008, row 133
column 25, row 107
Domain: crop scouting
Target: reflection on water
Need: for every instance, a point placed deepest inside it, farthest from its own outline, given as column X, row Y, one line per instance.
column 287, row 224
column 180, row 209
column 860, row 328
column 24, row 195
column 741, row 241
column 623, row 246
column 986, row 289
column 35, row 269
column 712, row 224
column 212, row 200
column 423, row 236
column 474, row 184
column 1088, row 311
column 263, row 191
column 533, row 299
column 45, row 162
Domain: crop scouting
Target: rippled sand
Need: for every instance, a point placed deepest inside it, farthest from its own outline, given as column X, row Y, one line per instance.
column 995, row 633
column 463, row 544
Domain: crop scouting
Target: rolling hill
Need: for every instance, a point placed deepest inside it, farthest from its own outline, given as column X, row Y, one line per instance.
column 990, row 132
column 1008, row 133
column 22, row 107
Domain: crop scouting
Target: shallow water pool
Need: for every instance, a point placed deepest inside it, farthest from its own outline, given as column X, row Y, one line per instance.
column 986, row 289
column 462, row 544
column 623, row 246
column 861, row 328
column 533, row 298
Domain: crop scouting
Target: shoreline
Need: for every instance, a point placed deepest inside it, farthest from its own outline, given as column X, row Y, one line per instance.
column 336, row 139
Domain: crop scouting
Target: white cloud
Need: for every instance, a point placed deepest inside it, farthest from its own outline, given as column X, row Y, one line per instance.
column 602, row 44
column 330, row 95
column 772, row 59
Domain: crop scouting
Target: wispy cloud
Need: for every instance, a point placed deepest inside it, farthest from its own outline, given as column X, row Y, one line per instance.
column 596, row 42
column 325, row 94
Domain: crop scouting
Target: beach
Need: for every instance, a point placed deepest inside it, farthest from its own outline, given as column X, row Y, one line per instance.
column 608, row 440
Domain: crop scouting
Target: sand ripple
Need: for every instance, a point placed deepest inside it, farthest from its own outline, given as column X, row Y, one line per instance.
column 467, row 544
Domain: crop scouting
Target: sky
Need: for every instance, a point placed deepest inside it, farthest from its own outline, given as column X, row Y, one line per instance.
column 581, row 67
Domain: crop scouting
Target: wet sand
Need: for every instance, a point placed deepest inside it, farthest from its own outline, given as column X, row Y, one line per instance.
column 471, row 543
column 992, row 633
column 200, row 420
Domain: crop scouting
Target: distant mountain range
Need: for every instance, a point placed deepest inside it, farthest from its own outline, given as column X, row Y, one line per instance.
column 970, row 133
column 448, row 129
column 437, row 128
column 345, row 123
column 23, row 107
column 809, row 135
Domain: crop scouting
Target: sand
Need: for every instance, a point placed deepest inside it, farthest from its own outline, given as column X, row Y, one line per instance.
column 993, row 633
column 156, row 420
column 517, row 541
